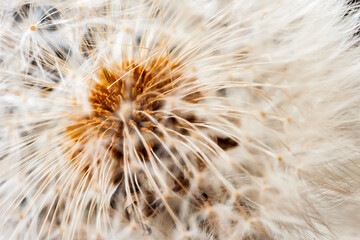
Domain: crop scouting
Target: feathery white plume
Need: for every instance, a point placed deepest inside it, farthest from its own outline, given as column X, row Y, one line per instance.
column 160, row 119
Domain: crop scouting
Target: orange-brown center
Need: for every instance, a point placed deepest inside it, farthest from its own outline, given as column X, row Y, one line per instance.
column 130, row 99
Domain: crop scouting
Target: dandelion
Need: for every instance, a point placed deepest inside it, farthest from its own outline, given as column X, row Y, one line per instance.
column 179, row 119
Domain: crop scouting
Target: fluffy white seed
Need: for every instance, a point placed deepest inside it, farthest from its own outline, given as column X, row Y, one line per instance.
column 222, row 119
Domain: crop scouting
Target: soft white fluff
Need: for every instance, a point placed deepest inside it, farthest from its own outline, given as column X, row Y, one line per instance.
column 281, row 78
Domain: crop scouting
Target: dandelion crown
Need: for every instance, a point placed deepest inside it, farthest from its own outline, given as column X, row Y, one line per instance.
column 191, row 119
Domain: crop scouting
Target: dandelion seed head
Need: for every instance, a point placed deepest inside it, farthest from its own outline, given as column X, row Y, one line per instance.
column 178, row 119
